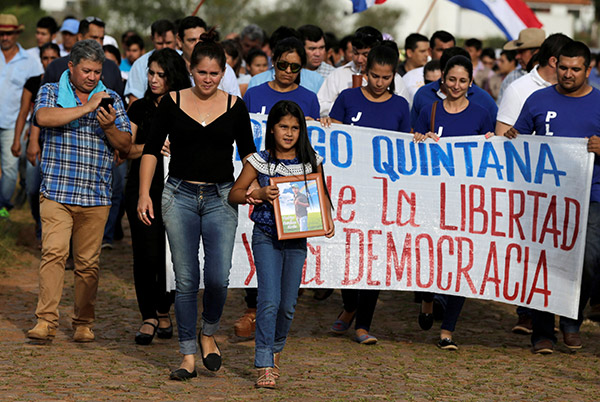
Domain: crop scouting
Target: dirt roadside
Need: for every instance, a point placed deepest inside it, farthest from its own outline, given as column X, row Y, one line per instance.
column 492, row 364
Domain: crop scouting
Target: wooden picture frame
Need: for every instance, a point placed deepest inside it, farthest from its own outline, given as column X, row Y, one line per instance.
column 293, row 218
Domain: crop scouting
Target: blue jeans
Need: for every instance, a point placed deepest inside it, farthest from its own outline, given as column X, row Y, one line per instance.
column 194, row 212
column 32, row 188
column 10, row 167
column 279, row 272
column 116, row 199
column 543, row 322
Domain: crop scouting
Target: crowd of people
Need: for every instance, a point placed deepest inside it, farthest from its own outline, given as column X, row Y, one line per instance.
column 94, row 122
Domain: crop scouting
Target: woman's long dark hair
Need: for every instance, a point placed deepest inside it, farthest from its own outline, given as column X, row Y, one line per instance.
column 386, row 54
column 176, row 74
column 304, row 150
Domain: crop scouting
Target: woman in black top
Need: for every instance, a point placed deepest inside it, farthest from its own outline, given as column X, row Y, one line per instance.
column 202, row 123
column 166, row 72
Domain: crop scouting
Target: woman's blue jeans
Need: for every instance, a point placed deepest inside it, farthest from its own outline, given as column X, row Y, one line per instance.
column 279, row 266
column 194, row 212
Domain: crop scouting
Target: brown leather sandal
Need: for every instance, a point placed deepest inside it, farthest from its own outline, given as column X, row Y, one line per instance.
column 276, row 369
column 266, row 378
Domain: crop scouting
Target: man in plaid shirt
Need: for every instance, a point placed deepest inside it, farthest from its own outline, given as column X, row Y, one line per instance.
column 79, row 139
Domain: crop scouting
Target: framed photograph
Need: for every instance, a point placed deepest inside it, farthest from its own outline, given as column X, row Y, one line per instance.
column 301, row 208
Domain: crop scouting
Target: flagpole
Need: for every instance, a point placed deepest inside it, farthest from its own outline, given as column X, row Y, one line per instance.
column 198, row 7
column 426, row 15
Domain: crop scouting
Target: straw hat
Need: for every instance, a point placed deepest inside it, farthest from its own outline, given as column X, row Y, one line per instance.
column 529, row 38
column 9, row 22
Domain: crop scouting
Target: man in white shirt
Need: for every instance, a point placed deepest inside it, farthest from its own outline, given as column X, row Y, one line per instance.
column 162, row 33
column 413, row 79
column 45, row 32
column 363, row 41
column 542, row 76
column 189, row 31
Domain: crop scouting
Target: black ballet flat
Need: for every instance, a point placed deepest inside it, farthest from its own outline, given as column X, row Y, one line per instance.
column 165, row 333
column 145, row 339
column 182, row 375
column 212, row 361
column 425, row 321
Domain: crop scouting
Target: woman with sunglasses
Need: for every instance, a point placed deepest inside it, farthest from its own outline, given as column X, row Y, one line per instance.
column 288, row 58
column 203, row 123
column 374, row 105
column 166, row 72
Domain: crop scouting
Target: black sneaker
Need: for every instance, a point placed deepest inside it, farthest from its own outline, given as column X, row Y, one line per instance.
column 447, row 344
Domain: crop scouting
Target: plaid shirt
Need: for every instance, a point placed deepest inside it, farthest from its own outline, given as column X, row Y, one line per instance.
column 77, row 162
column 325, row 69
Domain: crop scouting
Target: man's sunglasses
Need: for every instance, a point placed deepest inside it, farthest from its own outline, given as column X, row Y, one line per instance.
column 283, row 65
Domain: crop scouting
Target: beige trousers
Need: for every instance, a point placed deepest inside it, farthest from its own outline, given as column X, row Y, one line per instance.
column 85, row 225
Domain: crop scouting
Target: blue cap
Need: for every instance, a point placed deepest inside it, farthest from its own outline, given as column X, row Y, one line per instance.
column 70, row 25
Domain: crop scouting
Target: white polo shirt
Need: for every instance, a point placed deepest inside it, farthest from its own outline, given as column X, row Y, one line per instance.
column 413, row 79
column 517, row 93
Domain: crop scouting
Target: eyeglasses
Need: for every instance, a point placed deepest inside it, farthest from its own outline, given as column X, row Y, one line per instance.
column 8, row 33
column 283, row 65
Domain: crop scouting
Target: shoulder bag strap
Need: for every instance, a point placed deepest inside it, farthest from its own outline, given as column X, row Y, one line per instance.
column 433, row 109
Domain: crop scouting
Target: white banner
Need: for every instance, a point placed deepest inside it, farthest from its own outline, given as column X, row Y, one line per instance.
column 484, row 218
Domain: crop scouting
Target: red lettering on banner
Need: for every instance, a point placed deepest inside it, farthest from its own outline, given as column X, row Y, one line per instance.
column 371, row 257
column 568, row 202
column 505, row 293
column 513, row 217
column 328, row 184
column 250, row 259
column 418, row 260
column 250, row 209
column 495, row 212
column 405, row 261
column 541, row 266
column 525, row 272
column 443, row 225
column 412, row 201
column 441, row 259
column 402, row 195
column 361, row 259
column 536, row 208
column 464, row 270
column 492, row 261
column 342, row 202
column 550, row 218
column 477, row 209
column 316, row 251
column 384, row 199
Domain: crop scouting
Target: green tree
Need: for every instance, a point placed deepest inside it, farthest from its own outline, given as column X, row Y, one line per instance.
column 381, row 17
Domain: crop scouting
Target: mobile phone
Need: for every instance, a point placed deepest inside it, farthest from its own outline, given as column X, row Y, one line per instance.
column 105, row 102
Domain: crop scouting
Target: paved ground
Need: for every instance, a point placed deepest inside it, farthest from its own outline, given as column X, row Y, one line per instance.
column 491, row 365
